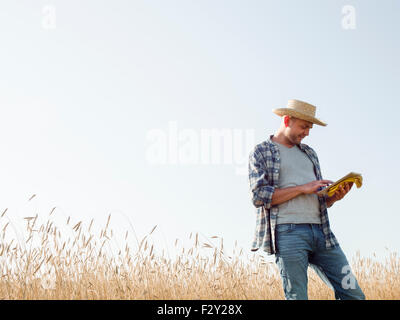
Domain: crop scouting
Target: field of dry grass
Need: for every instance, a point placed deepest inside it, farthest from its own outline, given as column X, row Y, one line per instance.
column 46, row 264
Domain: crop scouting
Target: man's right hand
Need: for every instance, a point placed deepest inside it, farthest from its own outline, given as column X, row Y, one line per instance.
column 313, row 186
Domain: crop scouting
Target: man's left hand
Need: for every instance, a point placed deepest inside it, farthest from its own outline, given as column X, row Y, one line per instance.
column 342, row 191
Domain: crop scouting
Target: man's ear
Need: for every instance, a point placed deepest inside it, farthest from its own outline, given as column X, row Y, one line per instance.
column 286, row 120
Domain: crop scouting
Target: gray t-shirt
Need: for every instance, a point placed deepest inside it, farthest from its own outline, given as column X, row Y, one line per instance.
column 297, row 169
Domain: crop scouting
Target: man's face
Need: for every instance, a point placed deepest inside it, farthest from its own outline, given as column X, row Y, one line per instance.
column 298, row 130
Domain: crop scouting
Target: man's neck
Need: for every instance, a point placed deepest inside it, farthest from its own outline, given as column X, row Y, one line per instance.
column 280, row 138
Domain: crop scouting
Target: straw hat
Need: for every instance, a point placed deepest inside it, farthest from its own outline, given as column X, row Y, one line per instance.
column 301, row 110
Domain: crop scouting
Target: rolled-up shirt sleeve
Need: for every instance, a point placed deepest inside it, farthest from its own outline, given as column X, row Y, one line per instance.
column 261, row 190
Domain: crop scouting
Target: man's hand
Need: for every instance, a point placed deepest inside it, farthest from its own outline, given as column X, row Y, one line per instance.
column 313, row 186
column 341, row 192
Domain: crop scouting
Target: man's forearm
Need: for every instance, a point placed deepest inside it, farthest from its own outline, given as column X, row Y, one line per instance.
column 285, row 194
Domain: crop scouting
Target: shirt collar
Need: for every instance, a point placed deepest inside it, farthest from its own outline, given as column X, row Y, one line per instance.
column 301, row 145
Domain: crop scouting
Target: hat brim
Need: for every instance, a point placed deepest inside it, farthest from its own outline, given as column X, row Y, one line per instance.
column 290, row 112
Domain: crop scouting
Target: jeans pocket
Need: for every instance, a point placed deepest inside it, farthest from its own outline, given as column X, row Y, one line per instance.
column 284, row 228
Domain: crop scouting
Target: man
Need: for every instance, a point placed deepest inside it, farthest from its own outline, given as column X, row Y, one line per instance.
column 292, row 220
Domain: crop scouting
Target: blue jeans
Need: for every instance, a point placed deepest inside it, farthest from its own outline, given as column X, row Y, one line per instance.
column 300, row 245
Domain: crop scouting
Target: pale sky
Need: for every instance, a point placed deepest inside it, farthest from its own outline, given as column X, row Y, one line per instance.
column 84, row 83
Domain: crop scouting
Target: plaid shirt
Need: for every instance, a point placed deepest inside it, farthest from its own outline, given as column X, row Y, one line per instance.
column 264, row 165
